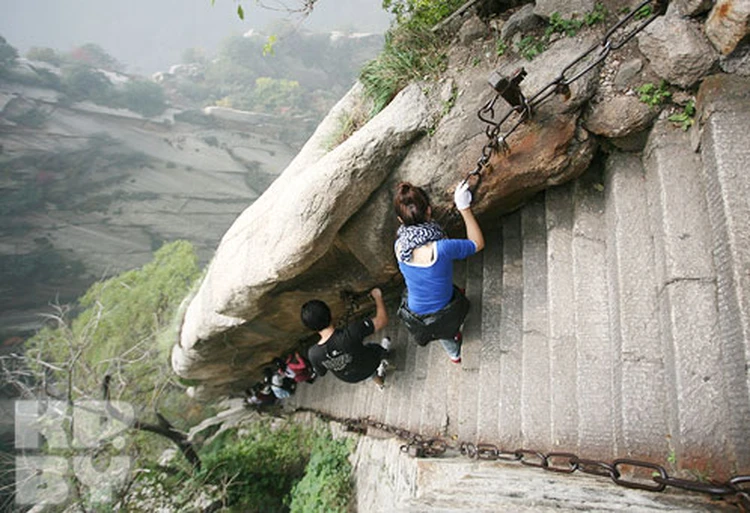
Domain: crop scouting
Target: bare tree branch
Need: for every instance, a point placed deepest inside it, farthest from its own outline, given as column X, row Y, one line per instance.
column 164, row 428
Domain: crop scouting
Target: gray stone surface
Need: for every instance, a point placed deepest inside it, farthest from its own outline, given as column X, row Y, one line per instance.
column 535, row 387
column 560, row 292
column 388, row 481
column 464, row 420
column 511, row 325
column 687, row 292
column 634, row 310
column 619, row 116
column 693, row 7
column 490, row 353
column 738, row 62
column 677, row 50
column 595, row 349
column 677, row 206
column 628, row 71
column 472, row 29
column 545, row 8
column 725, row 114
column 521, row 21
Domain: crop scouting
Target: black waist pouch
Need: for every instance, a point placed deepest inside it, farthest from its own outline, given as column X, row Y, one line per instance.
column 444, row 323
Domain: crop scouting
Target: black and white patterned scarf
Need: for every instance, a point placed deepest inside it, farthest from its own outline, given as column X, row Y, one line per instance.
column 410, row 237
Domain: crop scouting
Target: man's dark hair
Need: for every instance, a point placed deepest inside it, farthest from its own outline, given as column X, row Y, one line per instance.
column 316, row 315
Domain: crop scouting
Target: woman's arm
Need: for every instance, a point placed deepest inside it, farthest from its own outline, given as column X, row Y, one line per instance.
column 473, row 231
column 462, row 198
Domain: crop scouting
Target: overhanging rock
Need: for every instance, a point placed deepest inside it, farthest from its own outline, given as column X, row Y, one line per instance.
column 327, row 223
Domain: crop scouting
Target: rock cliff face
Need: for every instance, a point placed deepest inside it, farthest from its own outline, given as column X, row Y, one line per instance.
column 326, row 225
column 90, row 191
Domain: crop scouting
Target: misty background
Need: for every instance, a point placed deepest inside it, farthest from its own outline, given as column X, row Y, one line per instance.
column 149, row 36
column 100, row 168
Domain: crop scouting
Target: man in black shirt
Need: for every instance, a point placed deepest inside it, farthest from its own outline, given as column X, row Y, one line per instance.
column 342, row 351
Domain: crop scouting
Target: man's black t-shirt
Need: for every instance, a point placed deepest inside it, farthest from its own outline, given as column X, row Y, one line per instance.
column 345, row 355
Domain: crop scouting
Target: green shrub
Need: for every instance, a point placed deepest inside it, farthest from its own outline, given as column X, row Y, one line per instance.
column 598, row 15
column 421, row 12
column 267, row 466
column 119, row 318
column 500, row 47
column 326, row 486
column 684, row 118
column 144, row 97
column 560, row 25
column 44, row 54
column 8, row 55
column 91, row 54
column 409, row 54
column 82, row 82
column 530, row 47
column 644, row 12
column 653, row 95
column 259, row 468
column 34, row 117
column 411, row 51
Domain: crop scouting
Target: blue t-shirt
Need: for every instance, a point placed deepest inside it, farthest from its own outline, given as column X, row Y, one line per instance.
column 431, row 287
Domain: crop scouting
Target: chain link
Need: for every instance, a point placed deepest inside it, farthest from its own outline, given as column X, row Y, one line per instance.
column 509, row 88
column 628, row 473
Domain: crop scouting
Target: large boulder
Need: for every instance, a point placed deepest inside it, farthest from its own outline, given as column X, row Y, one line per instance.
column 572, row 8
column 326, row 225
column 620, row 116
column 677, row 50
column 728, row 24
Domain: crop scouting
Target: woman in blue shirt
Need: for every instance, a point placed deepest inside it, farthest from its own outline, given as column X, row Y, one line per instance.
column 425, row 256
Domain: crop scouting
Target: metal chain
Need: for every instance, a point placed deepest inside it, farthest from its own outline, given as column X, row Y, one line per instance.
column 508, row 88
column 735, row 490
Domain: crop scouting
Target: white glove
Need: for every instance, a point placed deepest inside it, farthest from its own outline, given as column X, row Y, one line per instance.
column 462, row 196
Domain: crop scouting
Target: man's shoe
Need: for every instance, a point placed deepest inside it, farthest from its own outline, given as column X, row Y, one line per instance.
column 382, row 368
column 386, row 343
column 456, row 360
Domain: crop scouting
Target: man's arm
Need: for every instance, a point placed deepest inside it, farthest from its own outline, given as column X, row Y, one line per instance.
column 381, row 316
column 319, row 369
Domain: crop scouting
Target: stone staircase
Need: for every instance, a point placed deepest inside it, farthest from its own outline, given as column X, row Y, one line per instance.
column 610, row 317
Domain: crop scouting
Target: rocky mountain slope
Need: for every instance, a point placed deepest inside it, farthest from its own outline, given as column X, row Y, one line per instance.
column 89, row 191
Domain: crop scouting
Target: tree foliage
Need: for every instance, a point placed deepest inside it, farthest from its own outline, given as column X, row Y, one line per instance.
column 44, row 54
column 412, row 51
column 8, row 55
column 144, row 97
column 421, row 12
column 120, row 326
column 326, row 486
column 95, row 56
column 261, row 466
column 82, row 82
